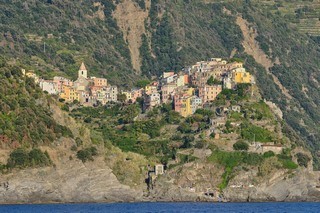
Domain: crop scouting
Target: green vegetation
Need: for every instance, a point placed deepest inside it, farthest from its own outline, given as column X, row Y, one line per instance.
column 87, row 154
column 268, row 154
column 211, row 81
column 252, row 132
column 241, row 145
column 286, row 160
column 21, row 158
column 303, row 159
column 258, row 111
column 266, row 163
column 25, row 117
column 142, row 83
column 230, row 160
column 67, row 43
column 239, row 94
column 177, row 35
column 117, row 125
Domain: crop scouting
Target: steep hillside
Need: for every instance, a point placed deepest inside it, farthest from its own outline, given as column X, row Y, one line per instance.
column 25, row 114
column 46, row 156
column 285, row 61
column 53, row 36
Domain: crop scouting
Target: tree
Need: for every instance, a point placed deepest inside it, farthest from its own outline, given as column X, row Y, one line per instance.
column 210, row 81
column 87, row 154
column 18, row 158
column 187, row 140
column 38, row 158
column 129, row 113
column 142, row 83
column 302, row 159
column 122, row 98
column 184, row 128
column 241, row 145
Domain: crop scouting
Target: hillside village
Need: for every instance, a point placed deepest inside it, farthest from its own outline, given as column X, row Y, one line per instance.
column 210, row 114
column 191, row 89
column 195, row 87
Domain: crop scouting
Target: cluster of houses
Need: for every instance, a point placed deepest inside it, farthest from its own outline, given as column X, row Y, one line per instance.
column 87, row 91
column 187, row 90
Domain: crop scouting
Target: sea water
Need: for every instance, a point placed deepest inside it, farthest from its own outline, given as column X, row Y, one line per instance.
column 166, row 207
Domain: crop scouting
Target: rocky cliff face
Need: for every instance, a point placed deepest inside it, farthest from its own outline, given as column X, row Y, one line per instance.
column 71, row 181
column 74, row 181
column 299, row 186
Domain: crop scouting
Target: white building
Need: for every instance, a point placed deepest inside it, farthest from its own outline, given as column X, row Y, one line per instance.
column 112, row 94
column 196, row 103
column 48, row 86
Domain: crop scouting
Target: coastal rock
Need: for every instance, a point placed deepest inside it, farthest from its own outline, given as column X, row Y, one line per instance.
column 298, row 186
column 73, row 182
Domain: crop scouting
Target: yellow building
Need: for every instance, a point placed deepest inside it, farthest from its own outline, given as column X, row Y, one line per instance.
column 190, row 91
column 31, row 74
column 186, row 109
column 128, row 95
column 240, row 76
column 149, row 89
column 186, row 91
column 70, row 94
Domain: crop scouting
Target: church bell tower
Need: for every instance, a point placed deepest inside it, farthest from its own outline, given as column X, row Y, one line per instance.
column 83, row 71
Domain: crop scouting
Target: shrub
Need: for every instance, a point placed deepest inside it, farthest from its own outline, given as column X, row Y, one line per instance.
column 268, row 154
column 302, row 159
column 251, row 132
column 200, row 144
column 173, row 117
column 87, row 154
column 87, row 120
column 187, row 140
column 213, row 135
column 65, row 107
column 241, row 145
column 142, row 83
column 184, row 128
column 289, row 164
column 38, row 158
column 78, row 142
column 18, row 158
column 269, row 165
column 186, row 158
column 74, row 148
column 21, row 158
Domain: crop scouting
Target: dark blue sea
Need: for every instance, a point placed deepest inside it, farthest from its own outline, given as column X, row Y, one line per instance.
column 166, row 207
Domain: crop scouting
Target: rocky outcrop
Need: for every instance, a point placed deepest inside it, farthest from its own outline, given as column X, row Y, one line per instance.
column 94, row 182
column 299, row 186
column 71, row 182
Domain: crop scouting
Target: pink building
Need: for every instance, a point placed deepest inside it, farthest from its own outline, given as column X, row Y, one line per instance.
column 94, row 90
column 167, row 74
column 100, row 82
column 60, row 82
column 209, row 93
column 136, row 94
column 177, row 102
column 167, row 92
